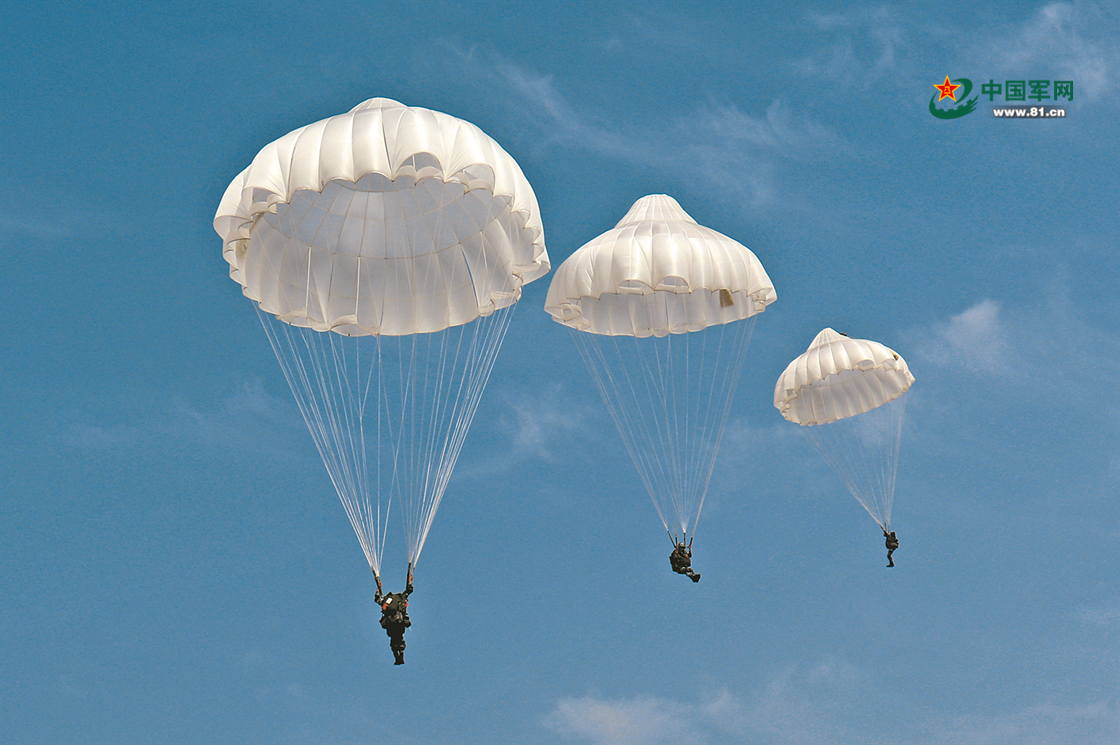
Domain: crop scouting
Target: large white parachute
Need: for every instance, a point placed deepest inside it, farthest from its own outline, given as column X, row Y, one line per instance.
column 662, row 310
column 384, row 249
column 847, row 395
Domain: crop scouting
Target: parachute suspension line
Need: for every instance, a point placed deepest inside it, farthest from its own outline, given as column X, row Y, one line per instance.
column 301, row 356
column 434, row 354
column 486, row 340
column 676, row 416
column 731, row 366
column 890, row 465
column 843, row 452
column 434, row 484
column 610, row 388
column 863, row 451
column 334, row 404
column 381, row 428
column 659, row 384
column 329, row 370
column 344, row 426
column 370, row 511
column 670, row 398
column 659, row 470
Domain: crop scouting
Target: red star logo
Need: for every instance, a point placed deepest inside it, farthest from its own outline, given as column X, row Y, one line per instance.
column 947, row 89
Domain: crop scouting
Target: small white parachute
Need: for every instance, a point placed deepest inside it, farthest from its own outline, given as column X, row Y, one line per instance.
column 847, row 395
column 662, row 310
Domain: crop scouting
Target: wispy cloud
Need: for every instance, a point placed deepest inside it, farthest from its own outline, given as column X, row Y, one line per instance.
column 732, row 154
column 747, row 444
column 1041, row 348
column 804, row 704
column 544, row 422
column 247, row 419
column 35, row 219
column 640, row 721
column 1100, row 615
column 533, row 99
column 87, row 436
column 819, row 704
column 1047, row 364
column 1078, row 41
column 875, row 45
column 859, row 47
column 975, row 339
column 531, row 426
column 1044, row 724
column 807, row 704
column 662, row 32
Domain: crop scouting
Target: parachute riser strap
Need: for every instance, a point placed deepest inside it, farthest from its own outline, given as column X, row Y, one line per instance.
column 377, row 579
column 676, row 543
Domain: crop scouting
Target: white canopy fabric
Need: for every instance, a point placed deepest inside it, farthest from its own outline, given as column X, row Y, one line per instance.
column 388, row 219
column 839, row 377
column 619, row 284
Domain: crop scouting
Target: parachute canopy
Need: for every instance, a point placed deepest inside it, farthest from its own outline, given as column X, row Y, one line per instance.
column 662, row 310
column 839, row 377
column 656, row 273
column 388, row 219
column 408, row 234
column 844, row 393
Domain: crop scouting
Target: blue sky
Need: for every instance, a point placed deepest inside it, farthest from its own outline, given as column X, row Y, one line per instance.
column 176, row 567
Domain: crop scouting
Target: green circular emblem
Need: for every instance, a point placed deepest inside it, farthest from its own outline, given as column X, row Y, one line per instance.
column 965, row 107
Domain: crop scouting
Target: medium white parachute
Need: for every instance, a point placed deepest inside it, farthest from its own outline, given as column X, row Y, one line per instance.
column 662, row 310
column 384, row 249
column 847, row 395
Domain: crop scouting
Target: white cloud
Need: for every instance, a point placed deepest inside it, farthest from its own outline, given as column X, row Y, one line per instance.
column 745, row 445
column 821, row 704
column 975, row 339
column 534, row 426
column 536, row 101
column 640, row 721
column 1050, row 348
column 803, row 705
column 1075, row 41
column 544, row 421
column 1099, row 615
column 732, row 154
column 1045, row 724
column 99, row 437
column 840, row 57
column 656, row 33
column 35, row 219
column 249, row 419
column 1071, row 41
